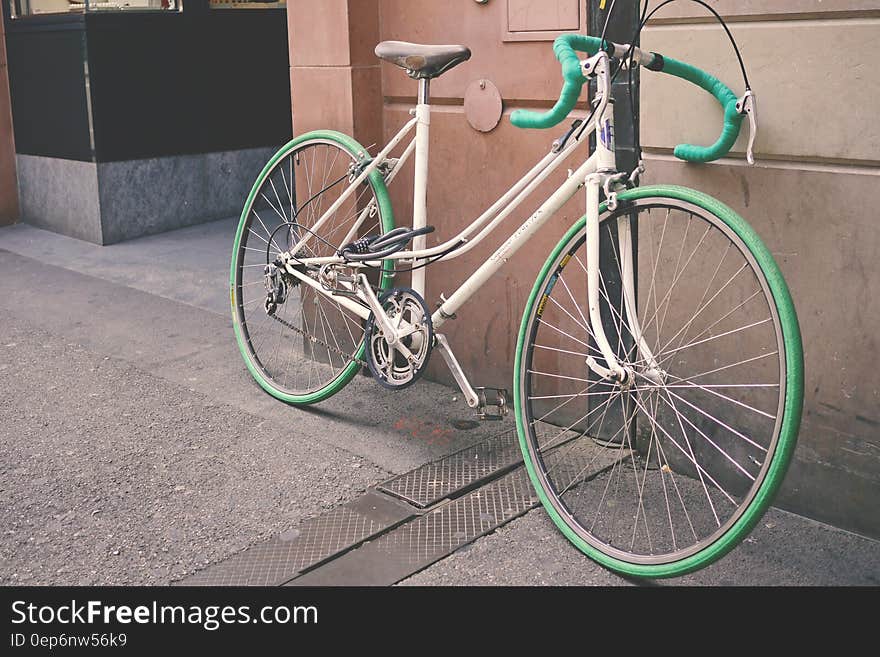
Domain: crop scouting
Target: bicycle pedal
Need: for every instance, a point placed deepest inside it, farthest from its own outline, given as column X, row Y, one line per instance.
column 496, row 398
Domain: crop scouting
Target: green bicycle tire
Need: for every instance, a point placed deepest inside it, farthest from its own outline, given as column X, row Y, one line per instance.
column 791, row 405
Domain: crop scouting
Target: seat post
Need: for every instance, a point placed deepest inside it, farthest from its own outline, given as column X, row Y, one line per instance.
column 420, row 187
column 424, row 91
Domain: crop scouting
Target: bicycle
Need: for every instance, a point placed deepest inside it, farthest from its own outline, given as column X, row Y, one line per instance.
column 658, row 374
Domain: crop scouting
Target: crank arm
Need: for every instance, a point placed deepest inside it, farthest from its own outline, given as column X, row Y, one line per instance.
column 392, row 334
column 389, row 332
column 470, row 395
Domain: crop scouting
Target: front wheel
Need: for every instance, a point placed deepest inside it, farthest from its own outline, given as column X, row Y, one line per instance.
column 667, row 471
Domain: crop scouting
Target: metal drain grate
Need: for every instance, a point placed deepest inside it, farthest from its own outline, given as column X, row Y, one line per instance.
column 380, row 540
column 396, row 555
column 419, row 543
column 443, row 530
column 283, row 557
column 457, row 472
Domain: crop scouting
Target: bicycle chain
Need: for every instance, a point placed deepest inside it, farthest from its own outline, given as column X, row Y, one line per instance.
column 318, row 341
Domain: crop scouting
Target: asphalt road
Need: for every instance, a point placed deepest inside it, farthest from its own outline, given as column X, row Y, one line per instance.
column 111, row 475
column 134, row 446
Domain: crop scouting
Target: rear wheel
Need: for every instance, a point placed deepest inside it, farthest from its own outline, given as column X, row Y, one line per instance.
column 664, row 473
column 305, row 346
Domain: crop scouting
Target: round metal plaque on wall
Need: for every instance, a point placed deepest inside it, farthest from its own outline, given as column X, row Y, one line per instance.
column 483, row 105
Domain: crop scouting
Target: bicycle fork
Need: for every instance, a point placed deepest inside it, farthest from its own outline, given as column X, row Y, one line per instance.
column 626, row 248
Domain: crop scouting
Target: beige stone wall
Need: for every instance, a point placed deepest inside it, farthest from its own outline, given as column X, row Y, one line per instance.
column 756, row 10
column 334, row 76
column 814, row 198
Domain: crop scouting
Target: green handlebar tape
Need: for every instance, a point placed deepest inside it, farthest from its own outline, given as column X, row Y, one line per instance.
column 732, row 118
column 564, row 48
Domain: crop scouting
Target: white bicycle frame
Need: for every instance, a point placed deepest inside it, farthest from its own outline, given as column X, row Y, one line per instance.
column 599, row 170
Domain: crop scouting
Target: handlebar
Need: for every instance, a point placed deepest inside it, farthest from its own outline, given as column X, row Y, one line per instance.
column 727, row 99
column 566, row 47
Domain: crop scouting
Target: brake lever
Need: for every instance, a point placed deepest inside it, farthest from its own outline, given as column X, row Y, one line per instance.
column 747, row 105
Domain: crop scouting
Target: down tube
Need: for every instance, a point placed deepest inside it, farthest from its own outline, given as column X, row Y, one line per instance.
column 514, row 242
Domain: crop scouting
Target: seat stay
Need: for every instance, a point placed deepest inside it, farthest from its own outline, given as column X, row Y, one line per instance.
column 379, row 159
column 367, row 211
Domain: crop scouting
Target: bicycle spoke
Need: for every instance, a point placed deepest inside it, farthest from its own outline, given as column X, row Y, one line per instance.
column 287, row 187
column 558, row 330
column 731, row 365
column 678, row 494
column 675, row 277
column 717, row 421
column 652, row 290
column 655, row 441
column 693, row 426
column 346, row 321
column 675, row 280
column 707, row 304
column 709, row 390
column 702, row 472
column 268, row 232
column 326, row 338
column 669, row 354
column 272, row 205
column 558, row 376
column 569, row 428
column 555, row 408
column 562, row 351
column 699, row 303
column 574, row 479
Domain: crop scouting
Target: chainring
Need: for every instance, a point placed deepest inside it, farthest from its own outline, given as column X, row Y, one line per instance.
column 388, row 365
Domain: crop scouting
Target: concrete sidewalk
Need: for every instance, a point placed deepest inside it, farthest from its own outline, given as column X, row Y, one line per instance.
column 136, row 448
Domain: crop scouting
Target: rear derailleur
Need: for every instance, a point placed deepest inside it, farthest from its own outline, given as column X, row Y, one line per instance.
column 278, row 285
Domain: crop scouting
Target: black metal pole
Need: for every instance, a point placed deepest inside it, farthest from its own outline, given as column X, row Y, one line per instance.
column 622, row 19
column 622, row 24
